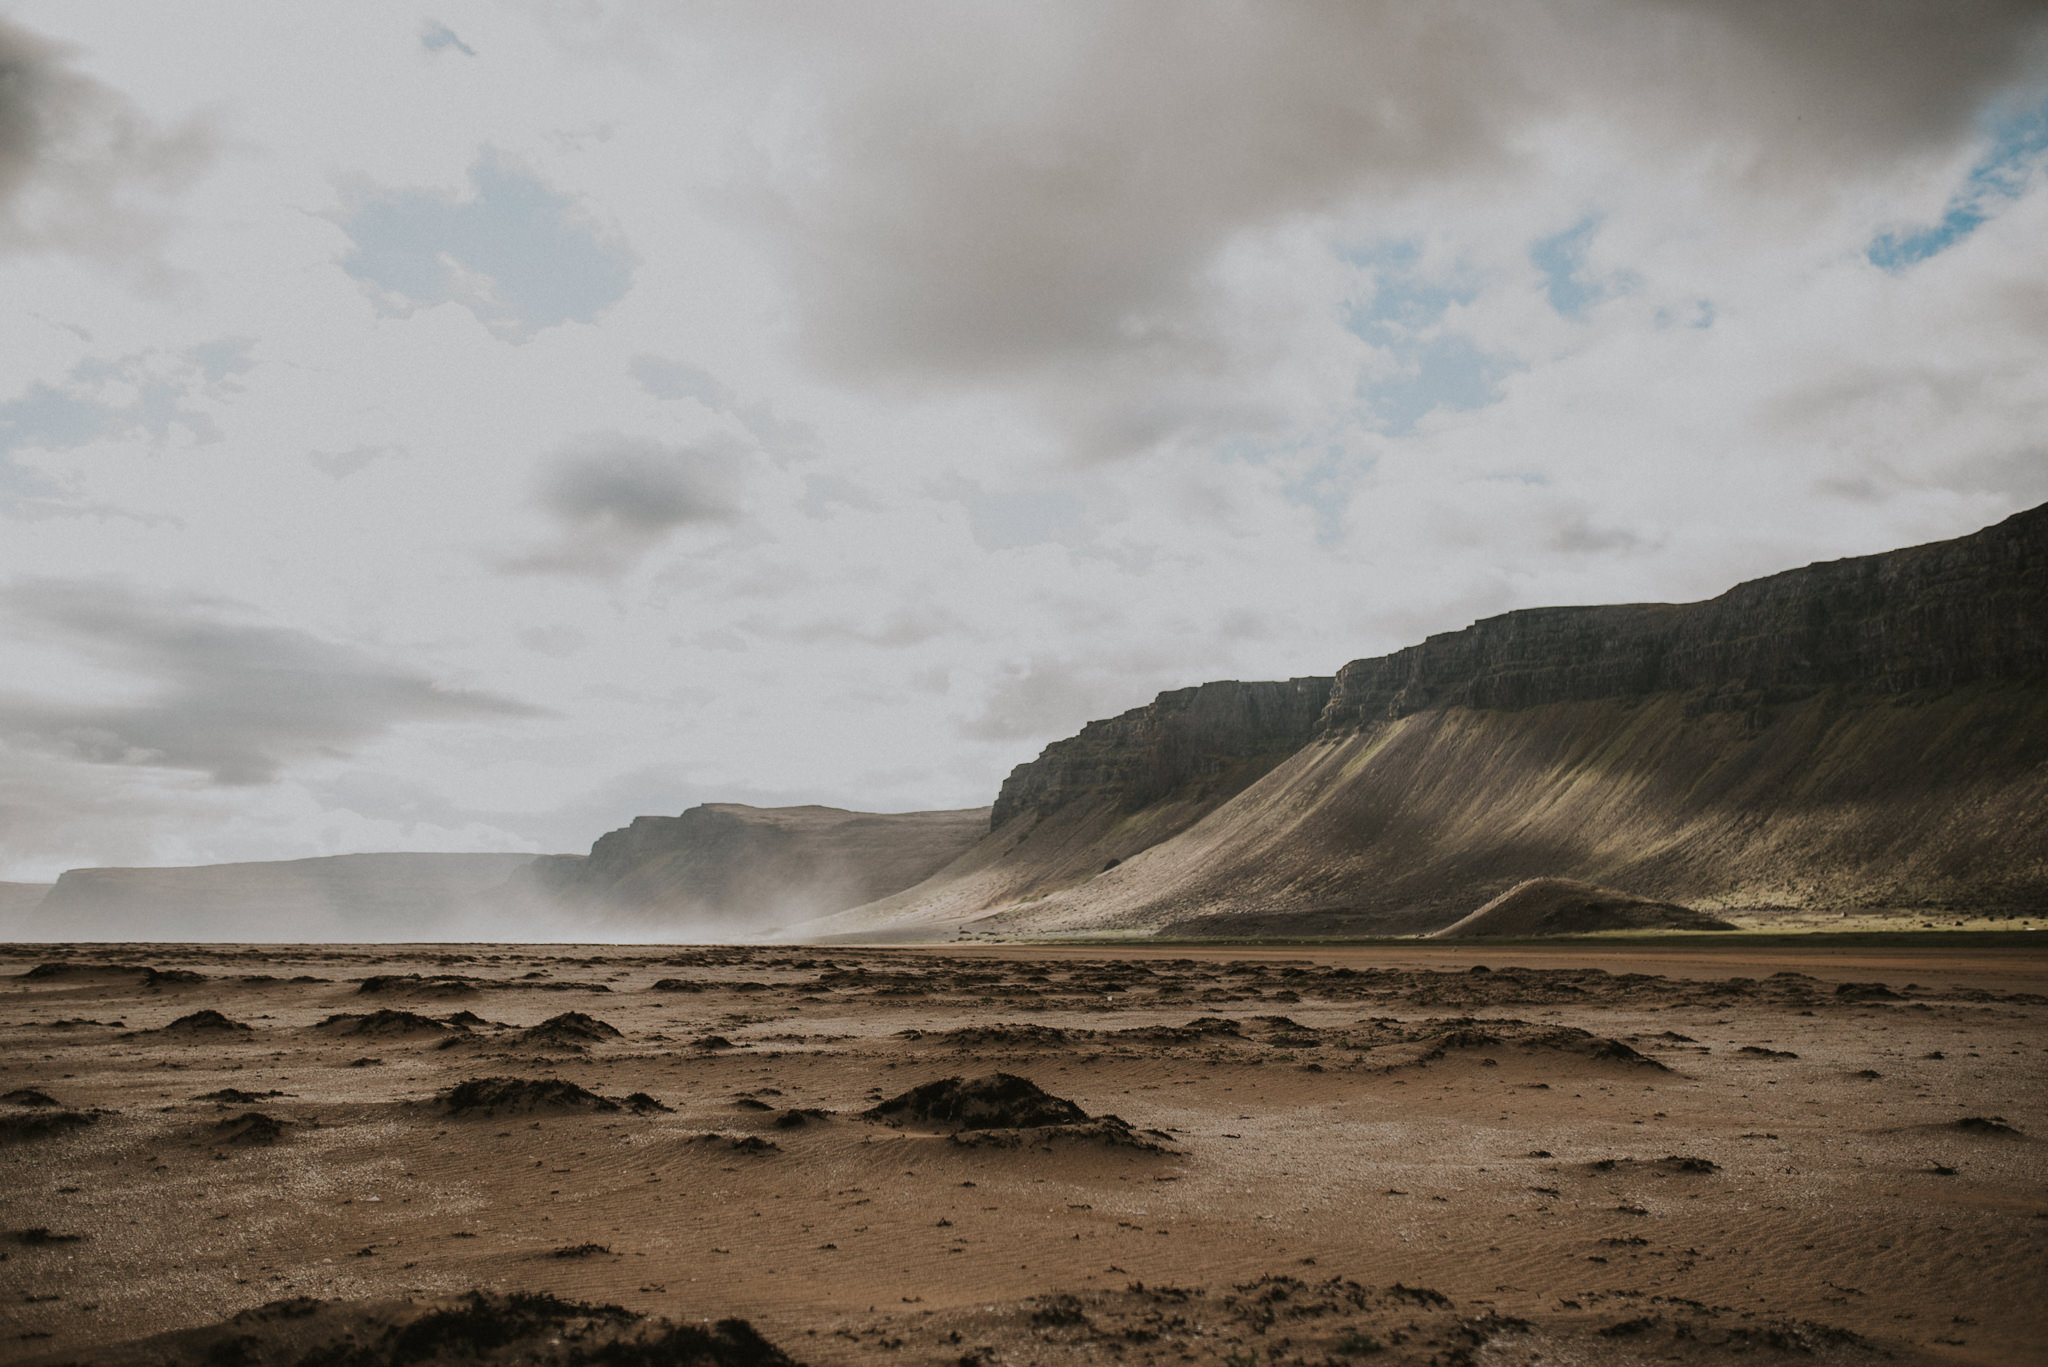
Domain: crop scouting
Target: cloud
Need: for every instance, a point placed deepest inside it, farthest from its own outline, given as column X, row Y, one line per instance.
column 81, row 170
column 206, row 690
column 985, row 194
column 514, row 252
column 141, row 398
column 436, row 36
column 667, row 379
column 614, row 498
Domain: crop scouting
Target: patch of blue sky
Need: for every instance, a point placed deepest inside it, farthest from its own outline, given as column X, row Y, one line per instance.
column 1325, row 486
column 1562, row 259
column 436, row 36
column 1404, row 300
column 2016, row 155
column 1447, row 371
column 221, row 360
column 517, row 254
column 1403, row 316
column 128, row 395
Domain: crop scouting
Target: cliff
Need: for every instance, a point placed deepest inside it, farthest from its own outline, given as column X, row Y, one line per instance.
column 1870, row 732
column 1929, row 617
column 1200, row 742
column 1118, row 787
column 725, row 868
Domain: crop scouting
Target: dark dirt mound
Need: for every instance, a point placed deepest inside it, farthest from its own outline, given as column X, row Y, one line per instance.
column 675, row 985
column 207, row 1022
column 994, row 1036
column 441, row 985
column 28, row 1096
column 639, row 1103
column 1994, row 1125
column 570, row 1030
column 482, row 1328
column 252, row 1128
column 1394, row 1043
column 738, row 1143
column 235, row 1096
column 712, row 1042
column 1562, row 906
column 383, row 1022
column 467, row 1019
column 489, row 1095
column 24, row 1126
column 1671, row 1163
column 999, row 1101
column 796, row 1117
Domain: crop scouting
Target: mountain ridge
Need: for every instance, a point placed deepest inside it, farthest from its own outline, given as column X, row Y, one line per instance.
column 1867, row 731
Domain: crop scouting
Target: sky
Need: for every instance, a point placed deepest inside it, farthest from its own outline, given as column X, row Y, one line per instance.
column 468, row 426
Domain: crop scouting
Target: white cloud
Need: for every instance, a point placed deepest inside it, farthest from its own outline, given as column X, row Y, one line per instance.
column 962, row 372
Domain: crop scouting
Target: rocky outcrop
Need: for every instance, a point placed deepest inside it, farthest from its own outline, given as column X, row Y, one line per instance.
column 1938, row 616
column 1095, row 799
column 1206, row 739
column 731, row 869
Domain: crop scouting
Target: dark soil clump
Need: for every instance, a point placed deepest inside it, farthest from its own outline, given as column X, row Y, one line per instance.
column 489, row 1095
column 1988, row 1124
column 570, row 1030
column 28, row 1096
column 999, row 1101
column 383, row 1022
column 21, row 1128
column 207, row 1022
column 251, row 1128
column 533, row 1329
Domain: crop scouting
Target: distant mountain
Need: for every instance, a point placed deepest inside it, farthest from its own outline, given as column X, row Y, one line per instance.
column 346, row 897
column 1870, row 732
column 725, row 869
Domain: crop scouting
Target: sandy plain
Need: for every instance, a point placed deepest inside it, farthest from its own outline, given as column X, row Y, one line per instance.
column 1601, row 1154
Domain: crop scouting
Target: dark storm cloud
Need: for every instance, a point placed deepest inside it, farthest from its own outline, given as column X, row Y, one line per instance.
column 614, row 498
column 218, row 694
column 990, row 190
column 74, row 154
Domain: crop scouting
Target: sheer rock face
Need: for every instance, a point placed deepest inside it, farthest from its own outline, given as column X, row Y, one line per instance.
column 1214, row 736
column 1939, row 616
column 1869, row 733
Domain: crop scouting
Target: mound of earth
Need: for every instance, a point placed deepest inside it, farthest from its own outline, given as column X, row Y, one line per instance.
column 1564, row 906
column 441, row 985
column 250, row 1128
column 481, row 1328
column 235, row 1096
column 999, row 1101
column 570, row 1030
column 28, row 1096
column 41, row 1124
column 207, row 1022
column 384, row 1022
column 489, row 1095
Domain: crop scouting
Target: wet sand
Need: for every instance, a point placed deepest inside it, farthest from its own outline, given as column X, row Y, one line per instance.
column 1596, row 1154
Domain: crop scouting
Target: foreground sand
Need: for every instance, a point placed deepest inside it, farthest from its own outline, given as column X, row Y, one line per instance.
column 1612, row 1156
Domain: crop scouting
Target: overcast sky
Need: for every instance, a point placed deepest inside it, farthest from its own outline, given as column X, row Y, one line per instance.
column 466, row 426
